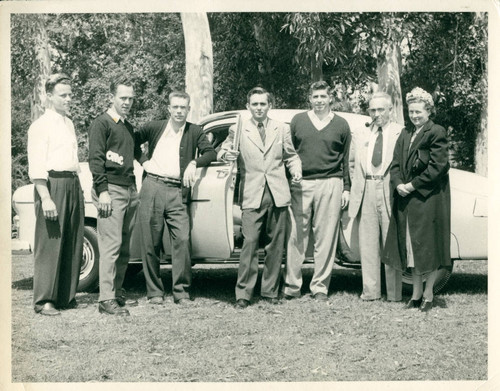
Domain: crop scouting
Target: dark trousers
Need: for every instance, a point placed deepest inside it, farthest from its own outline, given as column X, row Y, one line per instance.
column 252, row 221
column 59, row 244
column 161, row 203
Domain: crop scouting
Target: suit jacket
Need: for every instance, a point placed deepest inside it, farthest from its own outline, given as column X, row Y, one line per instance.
column 260, row 163
column 358, row 169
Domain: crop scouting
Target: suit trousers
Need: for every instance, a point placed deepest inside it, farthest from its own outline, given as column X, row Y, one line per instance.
column 316, row 204
column 161, row 203
column 252, row 221
column 113, row 238
column 58, row 244
column 373, row 226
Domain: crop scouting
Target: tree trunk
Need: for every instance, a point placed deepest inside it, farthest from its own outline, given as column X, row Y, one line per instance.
column 388, row 71
column 43, row 59
column 317, row 68
column 199, row 64
column 481, row 149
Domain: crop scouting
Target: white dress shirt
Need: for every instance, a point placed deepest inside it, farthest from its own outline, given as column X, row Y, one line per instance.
column 370, row 169
column 320, row 124
column 165, row 160
column 52, row 145
column 114, row 115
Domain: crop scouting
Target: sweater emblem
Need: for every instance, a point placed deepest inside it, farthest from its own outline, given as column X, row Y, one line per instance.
column 114, row 157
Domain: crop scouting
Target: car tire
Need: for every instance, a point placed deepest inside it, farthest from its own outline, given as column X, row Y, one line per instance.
column 89, row 271
column 443, row 277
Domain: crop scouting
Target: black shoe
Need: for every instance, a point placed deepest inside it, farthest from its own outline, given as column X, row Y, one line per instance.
column 413, row 304
column 157, row 300
column 122, row 302
column 47, row 309
column 242, row 303
column 290, row 297
column 184, row 302
column 425, row 306
column 111, row 307
column 270, row 300
column 320, row 296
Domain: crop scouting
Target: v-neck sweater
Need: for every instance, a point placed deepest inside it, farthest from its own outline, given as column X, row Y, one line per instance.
column 324, row 153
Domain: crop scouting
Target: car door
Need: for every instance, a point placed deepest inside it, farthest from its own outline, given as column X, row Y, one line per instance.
column 211, row 207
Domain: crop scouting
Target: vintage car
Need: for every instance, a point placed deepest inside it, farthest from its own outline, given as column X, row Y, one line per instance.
column 216, row 216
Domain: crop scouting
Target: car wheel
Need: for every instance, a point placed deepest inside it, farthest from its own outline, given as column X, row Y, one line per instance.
column 442, row 279
column 89, row 272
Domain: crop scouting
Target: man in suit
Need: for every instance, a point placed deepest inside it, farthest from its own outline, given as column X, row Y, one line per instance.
column 264, row 146
column 371, row 155
column 170, row 172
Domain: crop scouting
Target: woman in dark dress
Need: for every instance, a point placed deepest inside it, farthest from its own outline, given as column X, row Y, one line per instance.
column 419, row 231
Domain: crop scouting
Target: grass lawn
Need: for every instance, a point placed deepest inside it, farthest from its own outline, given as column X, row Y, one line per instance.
column 344, row 339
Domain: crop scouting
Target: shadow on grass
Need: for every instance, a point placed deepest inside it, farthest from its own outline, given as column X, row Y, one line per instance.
column 467, row 283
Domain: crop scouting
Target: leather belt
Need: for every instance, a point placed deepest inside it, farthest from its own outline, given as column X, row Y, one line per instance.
column 375, row 177
column 165, row 179
column 62, row 174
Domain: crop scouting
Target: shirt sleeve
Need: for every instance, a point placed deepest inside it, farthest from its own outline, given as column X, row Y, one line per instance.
column 38, row 141
column 207, row 152
column 97, row 155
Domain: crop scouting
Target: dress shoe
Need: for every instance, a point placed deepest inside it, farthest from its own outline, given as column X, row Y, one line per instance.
column 242, row 303
column 47, row 309
column 157, row 300
column 320, row 296
column 183, row 302
column 122, row 302
column 425, row 306
column 271, row 300
column 413, row 304
column 111, row 307
column 290, row 297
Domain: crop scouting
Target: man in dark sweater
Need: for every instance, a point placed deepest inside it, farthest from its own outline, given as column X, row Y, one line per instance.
column 112, row 149
column 170, row 172
column 322, row 140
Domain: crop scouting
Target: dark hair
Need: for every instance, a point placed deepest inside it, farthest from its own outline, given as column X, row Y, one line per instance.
column 178, row 94
column 320, row 85
column 120, row 81
column 56, row 78
column 259, row 91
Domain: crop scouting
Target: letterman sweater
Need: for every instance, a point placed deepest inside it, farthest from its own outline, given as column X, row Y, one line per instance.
column 111, row 152
column 324, row 153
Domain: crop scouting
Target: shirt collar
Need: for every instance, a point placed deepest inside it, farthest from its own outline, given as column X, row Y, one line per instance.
column 375, row 127
column 114, row 115
column 256, row 123
column 170, row 128
column 328, row 118
column 55, row 114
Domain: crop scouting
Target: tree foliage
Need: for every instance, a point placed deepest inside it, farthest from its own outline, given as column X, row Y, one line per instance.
column 444, row 53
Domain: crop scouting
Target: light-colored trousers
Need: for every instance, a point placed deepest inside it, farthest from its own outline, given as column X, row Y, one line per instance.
column 113, row 238
column 373, row 226
column 316, row 204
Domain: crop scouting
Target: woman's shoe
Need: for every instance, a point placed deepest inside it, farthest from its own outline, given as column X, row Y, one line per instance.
column 425, row 306
column 413, row 304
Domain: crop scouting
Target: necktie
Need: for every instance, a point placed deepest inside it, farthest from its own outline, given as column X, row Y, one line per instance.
column 377, row 149
column 262, row 132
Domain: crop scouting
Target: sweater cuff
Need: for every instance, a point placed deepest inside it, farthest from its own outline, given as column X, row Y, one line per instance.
column 101, row 187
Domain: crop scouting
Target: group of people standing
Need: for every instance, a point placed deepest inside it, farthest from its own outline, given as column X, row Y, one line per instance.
column 399, row 193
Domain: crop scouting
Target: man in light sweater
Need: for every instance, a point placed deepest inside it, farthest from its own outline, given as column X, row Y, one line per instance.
column 112, row 149
column 322, row 140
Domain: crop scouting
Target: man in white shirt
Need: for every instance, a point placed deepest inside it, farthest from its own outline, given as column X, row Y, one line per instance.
column 170, row 170
column 371, row 199
column 59, row 204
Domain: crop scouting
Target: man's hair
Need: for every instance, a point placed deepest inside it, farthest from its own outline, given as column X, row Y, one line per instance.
column 120, row 81
column 179, row 94
column 382, row 95
column 259, row 91
column 53, row 80
column 320, row 85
